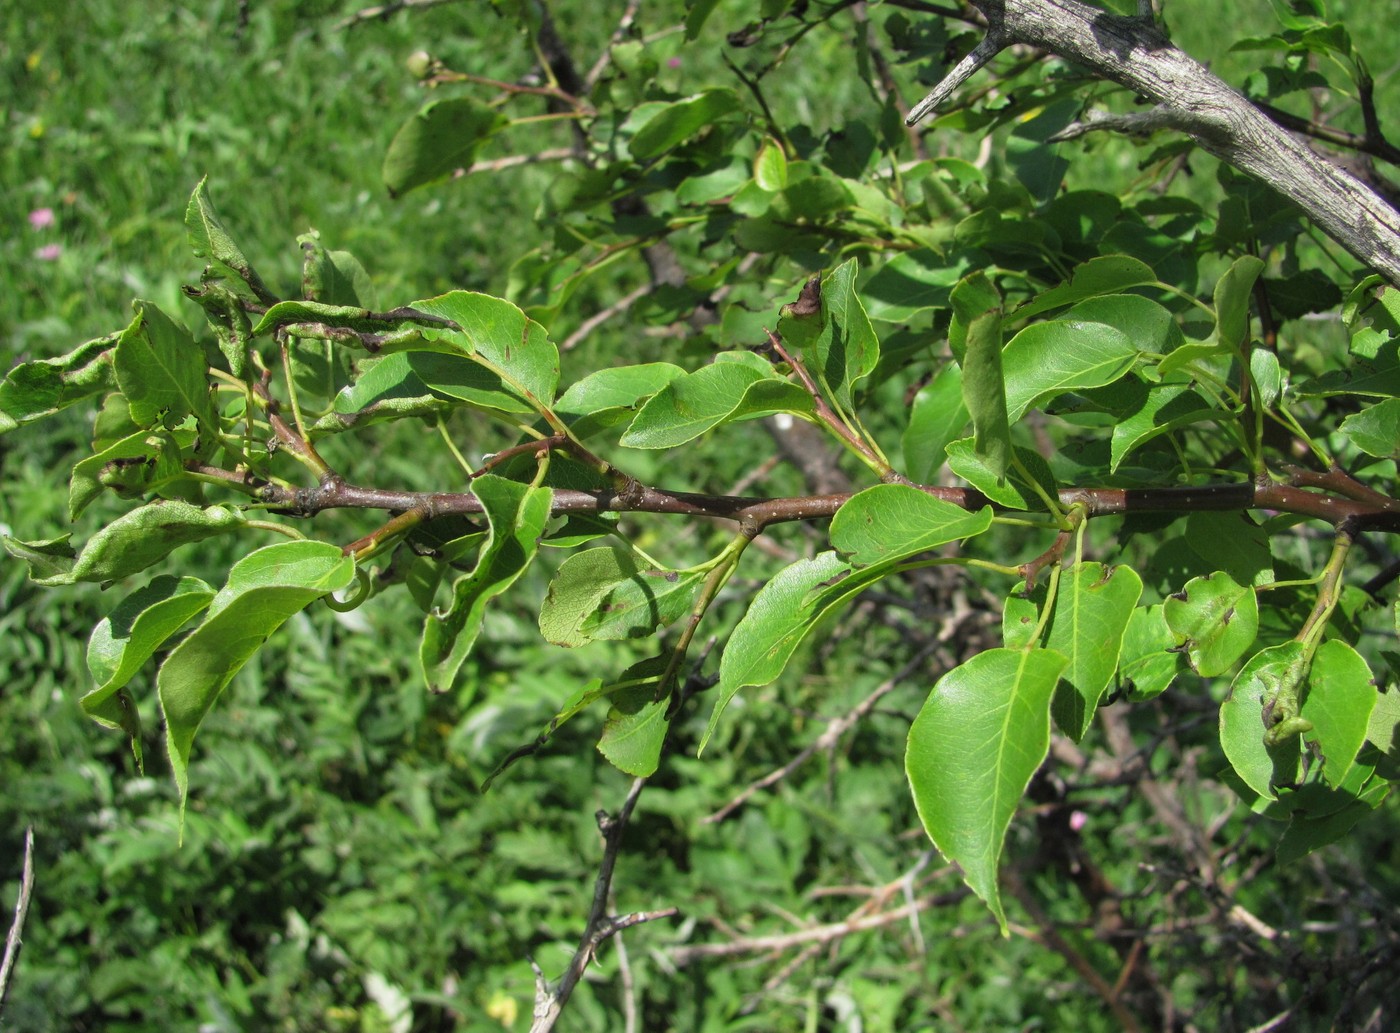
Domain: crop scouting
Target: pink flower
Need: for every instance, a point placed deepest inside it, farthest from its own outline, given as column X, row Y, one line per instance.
column 49, row 252
column 673, row 62
column 41, row 218
column 1077, row 820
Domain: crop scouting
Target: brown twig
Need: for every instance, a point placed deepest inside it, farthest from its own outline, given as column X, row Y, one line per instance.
column 13, row 941
column 682, row 956
column 549, row 1003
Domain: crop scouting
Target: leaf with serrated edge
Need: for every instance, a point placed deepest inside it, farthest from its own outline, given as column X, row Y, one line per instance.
column 978, row 739
column 1339, row 700
column 264, row 589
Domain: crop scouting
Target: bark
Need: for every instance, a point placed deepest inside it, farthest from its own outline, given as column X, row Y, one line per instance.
column 1132, row 53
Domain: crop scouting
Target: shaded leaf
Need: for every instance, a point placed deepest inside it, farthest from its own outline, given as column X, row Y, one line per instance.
column 1262, row 767
column 936, row 419
column 439, row 139
column 517, row 514
column 129, row 636
column 263, row 590
column 677, row 122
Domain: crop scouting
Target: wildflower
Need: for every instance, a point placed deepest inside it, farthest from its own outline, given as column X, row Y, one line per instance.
column 673, row 62
column 49, row 252
column 41, row 218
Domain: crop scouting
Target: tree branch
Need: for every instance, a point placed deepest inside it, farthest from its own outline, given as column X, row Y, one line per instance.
column 1132, row 53
column 13, row 941
column 549, row 1003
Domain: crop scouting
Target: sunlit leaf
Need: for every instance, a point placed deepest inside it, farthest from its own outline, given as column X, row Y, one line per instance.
column 978, row 739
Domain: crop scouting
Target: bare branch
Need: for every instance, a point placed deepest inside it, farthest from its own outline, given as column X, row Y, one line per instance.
column 13, row 941
column 549, row 1003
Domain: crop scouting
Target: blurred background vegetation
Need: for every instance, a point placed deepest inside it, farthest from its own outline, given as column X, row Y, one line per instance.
column 339, row 869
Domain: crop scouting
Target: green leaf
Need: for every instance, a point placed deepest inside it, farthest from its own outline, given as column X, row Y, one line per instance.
column 1338, row 703
column 210, row 240
column 1108, row 274
column 263, row 590
column 838, row 344
column 912, row 282
column 333, row 277
column 1048, row 359
column 143, row 537
column 1215, row 620
column 50, row 560
column 161, row 370
column 770, row 168
column 1147, row 663
column 1232, row 542
column 129, row 636
column 1233, row 295
column 721, row 392
column 637, row 606
column 1262, row 767
column 978, row 739
column 33, row 390
column 517, row 514
column 635, row 730
column 439, row 139
column 776, row 622
column 678, row 122
column 1164, row 408
column 936, row 419
column 607, row 397
column 1011, row 489
column 603, row 594
column 577, row 589
column 386, row 389
column 983, row 382
column 460, row 378
column 500, row 336
column 1092, row 609
column 888, row 523
column 1376, row 429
